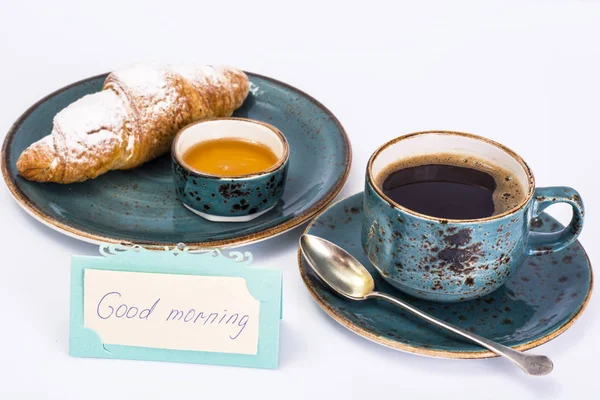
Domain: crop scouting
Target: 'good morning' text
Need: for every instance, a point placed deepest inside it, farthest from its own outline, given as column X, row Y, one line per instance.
column 111, row 306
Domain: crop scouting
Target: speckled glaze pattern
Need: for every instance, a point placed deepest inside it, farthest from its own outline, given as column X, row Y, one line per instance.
column 229, row 197
column 539, row 301
column 448, row 261
column 141, row 205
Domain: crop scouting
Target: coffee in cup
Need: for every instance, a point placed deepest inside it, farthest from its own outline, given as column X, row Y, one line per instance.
column 452, row 186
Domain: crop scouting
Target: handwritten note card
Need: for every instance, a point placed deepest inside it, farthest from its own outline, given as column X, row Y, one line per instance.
column 177, row 312
column 175, row 306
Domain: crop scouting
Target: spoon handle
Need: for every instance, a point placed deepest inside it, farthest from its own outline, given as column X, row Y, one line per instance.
column 532, row 364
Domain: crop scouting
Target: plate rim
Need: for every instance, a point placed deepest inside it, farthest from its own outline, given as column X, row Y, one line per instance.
column 447, row 354
column 90, row 237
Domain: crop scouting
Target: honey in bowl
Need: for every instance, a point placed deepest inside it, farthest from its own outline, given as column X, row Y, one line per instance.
column 229, row 157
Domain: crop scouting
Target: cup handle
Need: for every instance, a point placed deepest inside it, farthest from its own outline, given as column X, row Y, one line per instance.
column 539, row 243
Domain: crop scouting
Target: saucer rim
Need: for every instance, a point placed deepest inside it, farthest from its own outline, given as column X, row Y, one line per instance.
column 420, row 350
column 30, row 207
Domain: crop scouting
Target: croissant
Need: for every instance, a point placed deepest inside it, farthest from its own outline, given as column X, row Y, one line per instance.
column 131, row 121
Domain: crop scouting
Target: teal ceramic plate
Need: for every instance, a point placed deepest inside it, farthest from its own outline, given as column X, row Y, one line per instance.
column 140, row 205
column 536, row 305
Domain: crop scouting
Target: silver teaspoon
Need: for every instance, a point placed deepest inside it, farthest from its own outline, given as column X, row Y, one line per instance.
column 350, row 279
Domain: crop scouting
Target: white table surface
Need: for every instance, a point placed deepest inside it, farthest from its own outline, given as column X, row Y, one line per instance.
column 524, row 73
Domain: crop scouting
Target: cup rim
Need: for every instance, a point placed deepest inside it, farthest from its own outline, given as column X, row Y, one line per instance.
column 278, row 165
column 513, row 154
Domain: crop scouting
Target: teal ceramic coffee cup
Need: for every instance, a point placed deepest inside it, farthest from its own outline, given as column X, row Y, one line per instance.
column 237, row 198
column 456, row 260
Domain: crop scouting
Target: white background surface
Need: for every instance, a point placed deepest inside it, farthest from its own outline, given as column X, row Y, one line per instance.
column 520, row 72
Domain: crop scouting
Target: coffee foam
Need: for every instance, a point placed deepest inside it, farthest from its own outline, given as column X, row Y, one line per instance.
column 509, row 192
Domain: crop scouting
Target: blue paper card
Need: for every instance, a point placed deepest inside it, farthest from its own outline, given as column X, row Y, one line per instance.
column 172, row 305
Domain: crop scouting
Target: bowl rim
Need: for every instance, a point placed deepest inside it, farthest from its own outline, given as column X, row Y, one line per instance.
column 281, row 162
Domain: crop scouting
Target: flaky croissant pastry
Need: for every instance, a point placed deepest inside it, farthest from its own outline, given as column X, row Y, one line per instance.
column 131, row 121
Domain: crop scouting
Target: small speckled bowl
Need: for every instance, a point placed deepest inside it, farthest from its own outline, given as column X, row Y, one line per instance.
column 230, row 199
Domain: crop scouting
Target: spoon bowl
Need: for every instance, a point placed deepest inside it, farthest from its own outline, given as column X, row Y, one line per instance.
column 339, row 269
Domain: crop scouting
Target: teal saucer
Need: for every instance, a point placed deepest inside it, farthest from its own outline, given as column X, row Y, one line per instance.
column 140, row 205
column 536, row 305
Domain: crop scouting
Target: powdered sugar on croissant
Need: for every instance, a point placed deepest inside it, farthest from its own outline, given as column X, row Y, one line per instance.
column 133, row 120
